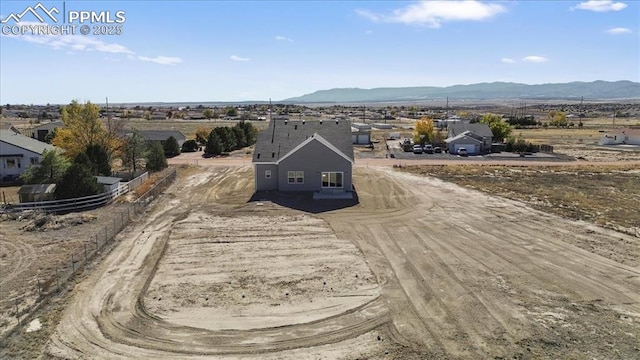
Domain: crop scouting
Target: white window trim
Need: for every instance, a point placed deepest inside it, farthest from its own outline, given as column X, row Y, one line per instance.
column 293, row 180
column 329, row 182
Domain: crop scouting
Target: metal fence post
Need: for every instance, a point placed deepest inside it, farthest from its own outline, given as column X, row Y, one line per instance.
column 85, row 252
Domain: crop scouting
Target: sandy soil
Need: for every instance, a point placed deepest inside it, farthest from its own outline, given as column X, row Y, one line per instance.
column 29, row 258
column 443, row 272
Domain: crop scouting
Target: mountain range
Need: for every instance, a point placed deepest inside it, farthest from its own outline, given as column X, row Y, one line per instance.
column 596, row 90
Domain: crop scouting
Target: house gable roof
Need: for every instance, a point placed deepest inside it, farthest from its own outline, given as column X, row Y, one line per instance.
column 24, row 142
column 281, row 137
column 320, row 139
column 482, row 130
column 465, row 135
column 158, row 135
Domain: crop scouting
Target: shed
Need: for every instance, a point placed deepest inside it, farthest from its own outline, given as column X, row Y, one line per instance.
column 37, row 192
column 109, row 184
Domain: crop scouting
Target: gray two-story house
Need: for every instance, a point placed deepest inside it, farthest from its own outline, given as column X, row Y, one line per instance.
column 304, row 156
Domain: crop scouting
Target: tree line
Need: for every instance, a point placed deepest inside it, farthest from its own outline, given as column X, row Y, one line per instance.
column 88, row 148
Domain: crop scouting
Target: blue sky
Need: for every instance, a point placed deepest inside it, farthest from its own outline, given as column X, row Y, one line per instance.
column 178, row 51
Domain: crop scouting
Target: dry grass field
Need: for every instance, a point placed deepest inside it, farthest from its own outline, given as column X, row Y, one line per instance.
column 604, row 195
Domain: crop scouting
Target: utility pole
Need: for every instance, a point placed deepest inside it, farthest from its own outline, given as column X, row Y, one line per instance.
column 108, row 114
column 447, row 114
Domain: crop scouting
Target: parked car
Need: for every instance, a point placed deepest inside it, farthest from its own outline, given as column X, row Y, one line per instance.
column 417, row 149
column 428, row 149
column 463, row 152
column 437, row 150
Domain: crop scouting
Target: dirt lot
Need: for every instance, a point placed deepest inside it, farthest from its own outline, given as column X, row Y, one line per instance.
column 443, row 272
column 37, row 250
column 607, row 195
column 30, row 255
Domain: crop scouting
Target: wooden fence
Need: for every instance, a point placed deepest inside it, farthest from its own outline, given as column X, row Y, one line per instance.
column 76, row 204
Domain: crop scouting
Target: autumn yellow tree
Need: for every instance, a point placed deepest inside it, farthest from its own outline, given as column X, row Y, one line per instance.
column 83, row 128
column 557, row 118
column 500, row 129
column 423, row 130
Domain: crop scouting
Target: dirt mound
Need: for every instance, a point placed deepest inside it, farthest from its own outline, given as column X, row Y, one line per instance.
column 38, row 221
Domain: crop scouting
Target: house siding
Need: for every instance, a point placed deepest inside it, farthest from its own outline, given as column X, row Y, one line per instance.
column 314, row 158
column 21, row 160
column 465, row 141
column 262, row 183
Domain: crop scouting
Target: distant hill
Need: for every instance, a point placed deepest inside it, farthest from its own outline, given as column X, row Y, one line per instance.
column 596, row 90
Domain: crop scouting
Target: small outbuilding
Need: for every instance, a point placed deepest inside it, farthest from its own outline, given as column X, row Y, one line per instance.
column 625, row 136
column 37, row 192
column 109, row 184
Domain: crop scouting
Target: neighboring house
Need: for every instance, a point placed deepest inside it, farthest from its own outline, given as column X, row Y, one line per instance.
column 37, row 192
column 464, row 140
column 8, row 126
column 158, row 116
column 621, row 136
column 160, row 136
column 17, row 152
column 195, row 115
column 480, row 132
column 41, row 132
column 304, row 156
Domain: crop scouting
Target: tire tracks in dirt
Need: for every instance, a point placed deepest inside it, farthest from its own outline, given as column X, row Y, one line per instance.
column 450, row 255
column 107, row 317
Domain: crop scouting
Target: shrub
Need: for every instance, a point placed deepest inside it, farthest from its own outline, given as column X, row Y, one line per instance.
column 190, row 146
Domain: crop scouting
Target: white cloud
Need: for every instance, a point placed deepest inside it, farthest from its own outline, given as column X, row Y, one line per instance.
column 238, row 58
column 619, row 31
column 600, row 5
column 77, row 43
column 368, row 15
column 508, row 60
column 283, row 38
column 162, row 60
column 368, row 32
column 535, row 59
column 434, row 13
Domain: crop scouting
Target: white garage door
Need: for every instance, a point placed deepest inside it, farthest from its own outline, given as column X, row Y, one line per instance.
column 471, row 148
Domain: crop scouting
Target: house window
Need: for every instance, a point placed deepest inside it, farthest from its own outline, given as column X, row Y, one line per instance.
column 295, row 177
column 267, row 174
column 332, row 179
column 11, row 163
column 35, row 161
